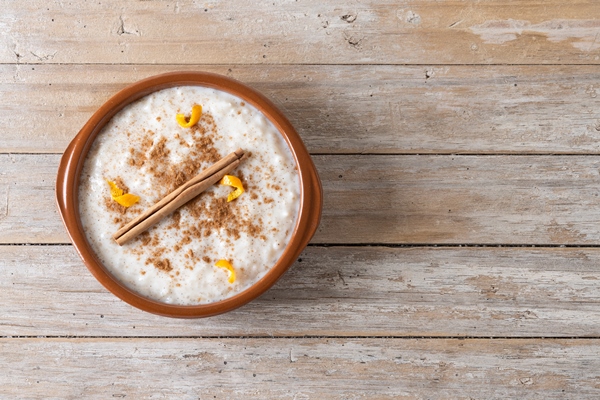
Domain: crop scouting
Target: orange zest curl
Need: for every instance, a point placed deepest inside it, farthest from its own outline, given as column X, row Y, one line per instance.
column 124, row 199
column 235, row 182
column 226, row 265
column 194, row 117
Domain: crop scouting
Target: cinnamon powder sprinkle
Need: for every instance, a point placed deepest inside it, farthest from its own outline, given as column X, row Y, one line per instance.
column 159, row 150
column 175, row 218
column 144, row 237
column 114, row 207
column 138, row 158
column 210, row 214
column 119, row 182
column 161, row 264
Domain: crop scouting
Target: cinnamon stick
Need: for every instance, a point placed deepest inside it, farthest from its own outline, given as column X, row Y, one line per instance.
column 179, row 197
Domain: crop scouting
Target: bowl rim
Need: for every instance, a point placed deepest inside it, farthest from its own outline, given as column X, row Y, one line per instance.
column 71, row 164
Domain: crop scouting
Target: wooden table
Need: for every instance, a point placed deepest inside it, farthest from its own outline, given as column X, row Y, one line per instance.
column 459, row 252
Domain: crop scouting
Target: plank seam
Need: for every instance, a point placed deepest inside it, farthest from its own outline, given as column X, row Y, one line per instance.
column 495, row 154
column 34, row 244
column 408, row 337
column 554, row 154
column 313, row 64
column 362, row 153
column 390, row 245
column 453, row 245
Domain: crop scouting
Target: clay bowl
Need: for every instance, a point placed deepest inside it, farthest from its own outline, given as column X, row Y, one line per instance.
column 71, row 164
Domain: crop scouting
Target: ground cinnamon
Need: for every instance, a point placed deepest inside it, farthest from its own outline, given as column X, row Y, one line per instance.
column 179, row 197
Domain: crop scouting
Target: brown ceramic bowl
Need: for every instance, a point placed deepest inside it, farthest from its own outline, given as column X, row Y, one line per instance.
column 72, row 163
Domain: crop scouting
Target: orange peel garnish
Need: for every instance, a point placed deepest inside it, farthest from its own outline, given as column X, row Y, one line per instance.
column 194, row 117
column 235, row 182
column 114, row 189
column 124, row 199
column 226, row 265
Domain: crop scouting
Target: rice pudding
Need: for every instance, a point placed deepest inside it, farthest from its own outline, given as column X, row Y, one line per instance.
column 145, row 152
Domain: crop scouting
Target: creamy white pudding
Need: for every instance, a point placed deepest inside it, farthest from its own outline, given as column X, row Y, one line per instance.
column 147, row 153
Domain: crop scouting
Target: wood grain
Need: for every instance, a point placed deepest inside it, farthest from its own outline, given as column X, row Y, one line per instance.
column 303, row 32
column 511, row 85
column 342, row 109
column 299, row 368
column 384, row 199
column 331, row 291
column 28, row 212
column 459, row 199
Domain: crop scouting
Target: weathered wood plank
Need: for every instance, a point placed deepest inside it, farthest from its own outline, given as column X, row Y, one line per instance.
column 311, row 31
column 459, row 199
column 332, row 291
column 28, row 212
column 343, row 109
column 384, row 199
column 58, row 63
column 299, row 368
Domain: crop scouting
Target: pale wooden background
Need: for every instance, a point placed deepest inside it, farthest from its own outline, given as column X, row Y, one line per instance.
column 459, row 253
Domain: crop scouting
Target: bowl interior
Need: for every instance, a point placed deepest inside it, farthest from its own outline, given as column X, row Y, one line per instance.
column 72, row 164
